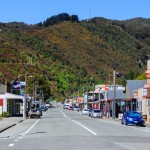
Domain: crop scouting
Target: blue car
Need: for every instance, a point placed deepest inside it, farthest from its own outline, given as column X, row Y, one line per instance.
column 132, row 117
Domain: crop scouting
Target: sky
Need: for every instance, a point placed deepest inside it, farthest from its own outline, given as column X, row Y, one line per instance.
column 35, row 11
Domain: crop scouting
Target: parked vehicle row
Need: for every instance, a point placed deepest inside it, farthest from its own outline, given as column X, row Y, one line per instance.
column 70, row 107
column 93, row 113
column 128, row 118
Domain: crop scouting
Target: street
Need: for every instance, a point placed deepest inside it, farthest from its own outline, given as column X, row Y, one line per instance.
column 61, row 129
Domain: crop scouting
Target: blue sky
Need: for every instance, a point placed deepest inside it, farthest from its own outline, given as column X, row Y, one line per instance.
column 35, row 11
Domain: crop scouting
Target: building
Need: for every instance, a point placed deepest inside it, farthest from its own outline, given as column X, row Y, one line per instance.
column 10, row 103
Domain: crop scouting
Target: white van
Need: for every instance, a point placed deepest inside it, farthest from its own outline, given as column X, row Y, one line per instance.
column 66, row 106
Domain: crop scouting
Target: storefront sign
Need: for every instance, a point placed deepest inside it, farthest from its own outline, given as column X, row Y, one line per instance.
column 1, row 102
column 18, row 85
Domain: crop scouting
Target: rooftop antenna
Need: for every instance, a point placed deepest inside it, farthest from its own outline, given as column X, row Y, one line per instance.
column 89, row 14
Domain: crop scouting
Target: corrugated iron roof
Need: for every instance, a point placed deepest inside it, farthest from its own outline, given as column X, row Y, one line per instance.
column 119, row 94
column 134, row 85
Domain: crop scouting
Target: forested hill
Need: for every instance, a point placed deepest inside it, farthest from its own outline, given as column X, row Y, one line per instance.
column 66, row 55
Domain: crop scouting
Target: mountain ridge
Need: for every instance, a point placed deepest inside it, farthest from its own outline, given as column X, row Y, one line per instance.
column 69, row 55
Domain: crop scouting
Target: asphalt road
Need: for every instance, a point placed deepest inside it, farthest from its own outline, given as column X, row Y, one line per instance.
column 69, row 130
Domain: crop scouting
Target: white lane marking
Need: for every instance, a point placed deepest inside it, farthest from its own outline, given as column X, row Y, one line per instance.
column 31, row 127
column 78, row 123
column 16, row 140
column 11, row 145
column 84, row 127
column 139, row 129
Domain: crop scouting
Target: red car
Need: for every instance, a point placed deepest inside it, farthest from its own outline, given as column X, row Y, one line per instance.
column 70, row 108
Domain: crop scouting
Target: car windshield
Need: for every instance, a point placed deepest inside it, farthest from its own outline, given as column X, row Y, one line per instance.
column 86, row 110
column 97, row 111
column 132, row 114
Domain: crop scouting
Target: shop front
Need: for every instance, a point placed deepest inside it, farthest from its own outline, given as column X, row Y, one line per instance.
column 12, row 104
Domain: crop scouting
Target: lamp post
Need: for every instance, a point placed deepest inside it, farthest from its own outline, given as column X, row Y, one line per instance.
column 93, row 95
column 114, row 101
column 87, row 96
column 25, row 93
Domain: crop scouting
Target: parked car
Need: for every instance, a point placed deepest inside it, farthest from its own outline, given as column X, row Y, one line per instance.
column 96, row 113
column 35, row 112
column 47, row 104
column 43, row 107
column 132, row 117
column 85, row 111
column 70, row 108
column 76, row 108
column 90, row 111
column 66, row 106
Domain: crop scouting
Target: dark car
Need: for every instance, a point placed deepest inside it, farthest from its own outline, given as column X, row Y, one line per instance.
column 90, row 112
column 43, row 108
column 132, row 117
column 70, row 108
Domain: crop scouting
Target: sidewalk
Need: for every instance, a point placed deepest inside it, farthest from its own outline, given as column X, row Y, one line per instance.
column 6, row 123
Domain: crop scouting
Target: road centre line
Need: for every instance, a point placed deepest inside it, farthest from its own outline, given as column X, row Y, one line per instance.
column 79, row 124
column 11, row 145
column 84, row 127
column 116, row 123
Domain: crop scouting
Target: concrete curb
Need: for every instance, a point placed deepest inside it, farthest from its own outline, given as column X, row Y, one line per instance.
column 9, row 126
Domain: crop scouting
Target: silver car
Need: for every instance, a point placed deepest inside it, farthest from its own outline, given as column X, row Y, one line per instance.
column 34, row 113
column 76, row 108
column 85, row 112
column 96, row 113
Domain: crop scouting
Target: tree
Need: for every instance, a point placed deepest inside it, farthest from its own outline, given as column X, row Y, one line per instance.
column 74, row 18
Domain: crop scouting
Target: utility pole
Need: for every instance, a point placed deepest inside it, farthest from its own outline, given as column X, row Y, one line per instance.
column 114, row 101
column 25, row 94
column 93, row 95
column 87, row 97
column 72, row 99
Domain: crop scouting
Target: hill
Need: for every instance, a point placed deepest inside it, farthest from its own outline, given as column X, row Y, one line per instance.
column 66, row 56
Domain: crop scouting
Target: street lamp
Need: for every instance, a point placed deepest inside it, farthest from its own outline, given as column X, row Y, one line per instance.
column 114, row 101
column 25, row 93
column 93, row 95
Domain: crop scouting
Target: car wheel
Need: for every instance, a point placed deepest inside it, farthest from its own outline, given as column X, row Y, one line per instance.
column 126, row 122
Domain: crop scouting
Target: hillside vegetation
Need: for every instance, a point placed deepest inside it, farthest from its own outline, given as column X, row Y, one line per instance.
column 68, row 55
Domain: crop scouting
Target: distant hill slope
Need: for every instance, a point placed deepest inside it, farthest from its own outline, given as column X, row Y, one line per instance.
column 66, row 56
